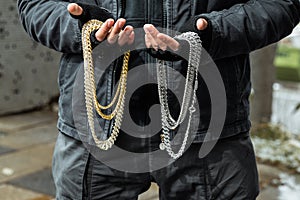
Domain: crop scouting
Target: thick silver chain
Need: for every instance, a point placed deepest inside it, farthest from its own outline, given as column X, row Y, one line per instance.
column 189, row 96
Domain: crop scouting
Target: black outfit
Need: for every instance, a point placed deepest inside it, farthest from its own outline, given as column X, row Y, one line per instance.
column 236, row 27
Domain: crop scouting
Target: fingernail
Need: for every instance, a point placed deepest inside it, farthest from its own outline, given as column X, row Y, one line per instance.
column 128, row 32
column 120, row 25
column 110, row 23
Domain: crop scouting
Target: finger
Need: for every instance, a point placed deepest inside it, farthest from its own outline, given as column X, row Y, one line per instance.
column 151, row 42
column 149, row 28
column 201, row 24
column 131, row 38
column 169, row 41
column 104, row 30
column 114, row 34
column 124, row 35
column 75, row 9
column 156, row 43
column 151, row 37
column 147, row 40
column 161, row 44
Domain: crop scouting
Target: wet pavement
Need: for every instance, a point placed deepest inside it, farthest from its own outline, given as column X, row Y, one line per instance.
column 26, row 145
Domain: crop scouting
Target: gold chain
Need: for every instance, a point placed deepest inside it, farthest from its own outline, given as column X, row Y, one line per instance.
column 119, row 93
column 87, row 52
column 90, row 88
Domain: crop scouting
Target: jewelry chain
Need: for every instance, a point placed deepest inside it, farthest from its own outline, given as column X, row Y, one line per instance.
column 90, row 89
column 189, row 97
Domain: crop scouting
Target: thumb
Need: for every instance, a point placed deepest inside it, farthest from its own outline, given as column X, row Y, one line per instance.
column 75, row 9
column 201, row 24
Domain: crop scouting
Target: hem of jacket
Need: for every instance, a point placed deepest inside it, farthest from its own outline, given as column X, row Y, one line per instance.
column 69, row 130
column 228, row 131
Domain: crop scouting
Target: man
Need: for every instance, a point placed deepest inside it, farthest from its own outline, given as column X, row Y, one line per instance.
column 229, row 31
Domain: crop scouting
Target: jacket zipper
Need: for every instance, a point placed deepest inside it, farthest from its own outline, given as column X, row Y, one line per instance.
column 121, row 12
column 148, row 21
column 122, row 5
column 164, row 13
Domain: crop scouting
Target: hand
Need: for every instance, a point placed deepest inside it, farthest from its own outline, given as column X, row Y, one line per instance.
column 109, row 30
column 75, row 9
column 113, row 32
column 157, row 40
column 201, row 24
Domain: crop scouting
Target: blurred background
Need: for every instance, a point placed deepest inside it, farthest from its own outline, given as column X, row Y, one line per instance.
column 28, row 113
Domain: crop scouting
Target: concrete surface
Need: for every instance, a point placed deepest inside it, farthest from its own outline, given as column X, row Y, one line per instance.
column 26, row 145
column 28, row 71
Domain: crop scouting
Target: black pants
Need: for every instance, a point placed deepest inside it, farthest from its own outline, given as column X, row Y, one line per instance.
column 228, row 172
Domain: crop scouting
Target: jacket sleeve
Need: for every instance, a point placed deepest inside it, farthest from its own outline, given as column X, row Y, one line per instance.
column 48, row 22
column 245, row 27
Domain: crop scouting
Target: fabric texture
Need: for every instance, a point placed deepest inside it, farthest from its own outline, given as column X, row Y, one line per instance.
column 236, row 27
column 227, row 172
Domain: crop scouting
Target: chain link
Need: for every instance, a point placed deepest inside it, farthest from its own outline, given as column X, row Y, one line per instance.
column 90, row 89
column 189, row 96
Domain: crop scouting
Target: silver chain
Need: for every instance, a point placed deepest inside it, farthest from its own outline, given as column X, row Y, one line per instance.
column 189, row 96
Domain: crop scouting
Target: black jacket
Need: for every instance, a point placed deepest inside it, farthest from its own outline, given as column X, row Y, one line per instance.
column 236, row 27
